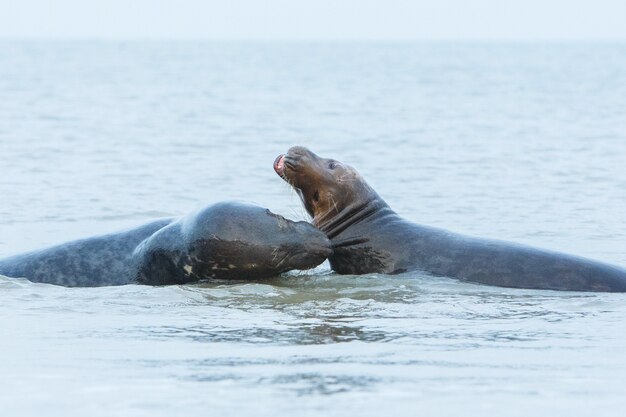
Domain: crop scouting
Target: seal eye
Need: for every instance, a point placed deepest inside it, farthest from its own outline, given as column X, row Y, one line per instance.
column 332, row 165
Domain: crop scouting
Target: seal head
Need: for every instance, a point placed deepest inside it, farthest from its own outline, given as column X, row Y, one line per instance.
column 331, row 191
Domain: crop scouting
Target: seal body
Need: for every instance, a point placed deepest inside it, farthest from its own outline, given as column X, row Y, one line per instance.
column 392, row 245
column 91, row 262
column 368, row 236
column 225, row 241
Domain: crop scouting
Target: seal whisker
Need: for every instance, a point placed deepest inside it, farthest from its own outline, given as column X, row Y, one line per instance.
column 333, row 202
column 282, row 260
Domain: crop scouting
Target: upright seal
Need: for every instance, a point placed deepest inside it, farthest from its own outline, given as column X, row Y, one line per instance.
column 225, row 241
column 368, row 236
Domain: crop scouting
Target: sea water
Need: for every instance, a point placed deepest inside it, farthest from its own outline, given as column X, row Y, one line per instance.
column 522, row 142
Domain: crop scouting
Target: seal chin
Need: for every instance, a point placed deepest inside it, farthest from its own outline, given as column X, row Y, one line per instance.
column 315, row 250
column 305, row 260
column 279, row 165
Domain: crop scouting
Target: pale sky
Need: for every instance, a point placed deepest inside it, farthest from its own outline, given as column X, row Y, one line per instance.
column 384, row 20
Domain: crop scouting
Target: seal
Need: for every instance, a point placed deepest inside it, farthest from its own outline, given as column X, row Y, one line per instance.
column 368, row 236
column 228, row 240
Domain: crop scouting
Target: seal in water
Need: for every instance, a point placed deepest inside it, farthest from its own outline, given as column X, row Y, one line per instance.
column 368, row 236
column 224, row 241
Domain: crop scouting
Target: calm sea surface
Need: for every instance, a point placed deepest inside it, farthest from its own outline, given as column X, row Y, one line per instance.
column 519, row 142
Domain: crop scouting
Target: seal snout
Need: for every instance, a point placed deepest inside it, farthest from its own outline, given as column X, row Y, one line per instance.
column 312, row 255
column 296, row 156
column 319, row 246
column 279, row 165
column 322, row 248
column 314, row 247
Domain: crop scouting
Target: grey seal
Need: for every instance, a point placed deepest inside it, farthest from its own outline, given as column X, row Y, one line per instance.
column 227, row 240
column 368, row 236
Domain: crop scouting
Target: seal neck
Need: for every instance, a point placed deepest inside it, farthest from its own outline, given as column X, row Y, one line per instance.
column 350, row 215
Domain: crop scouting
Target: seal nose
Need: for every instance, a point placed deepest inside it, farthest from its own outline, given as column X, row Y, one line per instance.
column 279, row 165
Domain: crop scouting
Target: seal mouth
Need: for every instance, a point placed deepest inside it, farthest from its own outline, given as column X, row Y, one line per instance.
column 279, row 166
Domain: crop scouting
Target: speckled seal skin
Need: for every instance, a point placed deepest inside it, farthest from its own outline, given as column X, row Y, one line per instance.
column 228, row 240
column 368, row 236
